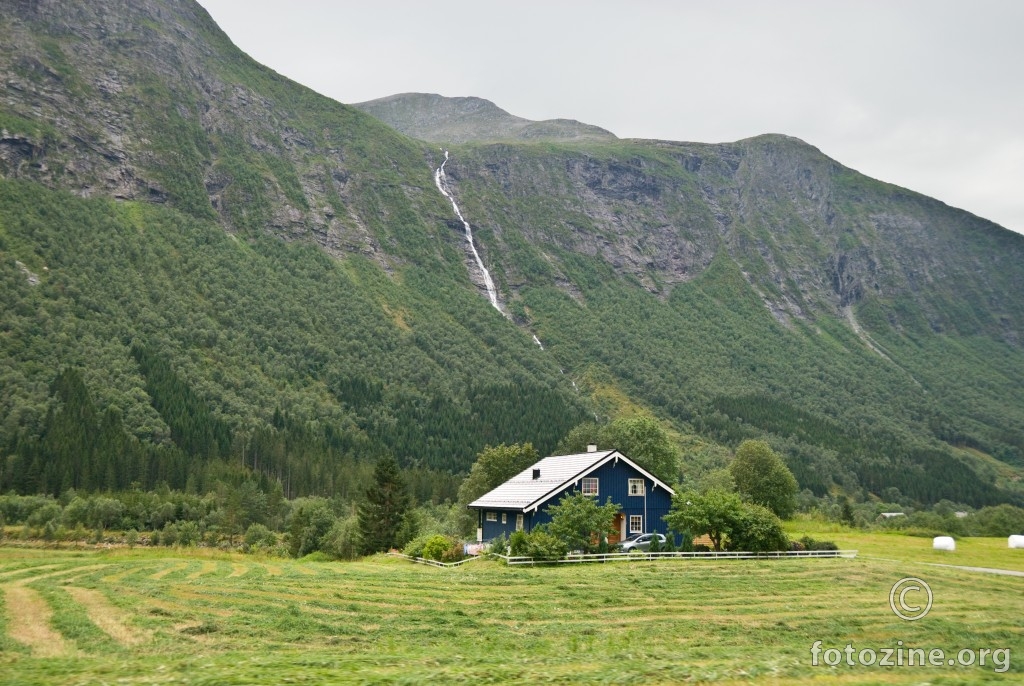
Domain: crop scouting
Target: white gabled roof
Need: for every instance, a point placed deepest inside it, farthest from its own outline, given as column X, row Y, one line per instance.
column 557, row 474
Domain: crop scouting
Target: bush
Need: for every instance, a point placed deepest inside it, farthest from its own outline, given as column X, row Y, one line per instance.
column 311, row 521
column 518, row 543
column 655, row 546
column 44, row 515
column 498, row 546
column 169, row 536
column 343, row 539
column 131, row 538
column 258, row 537
column 455, row 552
column 758, row 530
column 808, row 543
column 414, row 548
column 188, row 533
column 701, row 548
column 540, row 545
column 1001, row 521
column 435, row 547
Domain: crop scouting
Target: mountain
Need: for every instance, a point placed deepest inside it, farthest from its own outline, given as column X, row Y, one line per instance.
column 208, row 268
column 450, row 121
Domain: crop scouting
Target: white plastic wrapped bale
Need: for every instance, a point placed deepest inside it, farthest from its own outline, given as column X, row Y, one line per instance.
column 1016, row 542
column 944, row 543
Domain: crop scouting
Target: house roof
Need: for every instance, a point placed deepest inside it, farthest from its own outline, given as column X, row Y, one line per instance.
column 557, row 474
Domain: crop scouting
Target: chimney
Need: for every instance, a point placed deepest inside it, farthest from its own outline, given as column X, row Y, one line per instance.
column 536, row 473
column 592, row 447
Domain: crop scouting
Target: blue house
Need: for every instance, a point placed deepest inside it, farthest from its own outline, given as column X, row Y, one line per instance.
column 520, row 503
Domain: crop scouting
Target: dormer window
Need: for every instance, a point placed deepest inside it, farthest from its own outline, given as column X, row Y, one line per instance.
column 589, row 485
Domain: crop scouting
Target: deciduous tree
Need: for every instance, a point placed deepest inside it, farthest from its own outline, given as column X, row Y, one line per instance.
column 581, row 522
column 763, row 478
column 714, row 513
column 494, row 466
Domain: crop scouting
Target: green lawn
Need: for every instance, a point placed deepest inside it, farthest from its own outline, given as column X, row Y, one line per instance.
column 970, row 552
column 187, row 616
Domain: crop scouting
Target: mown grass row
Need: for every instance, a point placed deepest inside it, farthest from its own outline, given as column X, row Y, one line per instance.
column 384, row 619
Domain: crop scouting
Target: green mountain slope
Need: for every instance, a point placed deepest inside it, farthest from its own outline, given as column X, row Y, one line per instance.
column 207, row 267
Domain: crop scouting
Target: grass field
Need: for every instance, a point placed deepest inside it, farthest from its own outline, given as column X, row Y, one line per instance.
column 191, row 616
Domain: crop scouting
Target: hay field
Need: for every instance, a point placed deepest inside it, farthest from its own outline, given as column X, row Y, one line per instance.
column 191, row 616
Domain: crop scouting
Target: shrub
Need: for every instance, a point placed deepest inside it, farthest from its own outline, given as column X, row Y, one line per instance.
column 188, row 533
column 1001, row 521
column 414, row 548
column 809, row 543
column 498, row 546
column 131, row 538
column 758, row 530
column 169, row 536
column 701, row 548
column 435, row 547
column 257, row 537
column 455, row 552
column 540, row 545
column 518, row 543
column 343, row 539
column 311, row 521
column 655, row 546
column 44, row 515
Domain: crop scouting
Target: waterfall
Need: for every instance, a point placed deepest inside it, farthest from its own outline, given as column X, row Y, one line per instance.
column 439, row 179
column 537, row 341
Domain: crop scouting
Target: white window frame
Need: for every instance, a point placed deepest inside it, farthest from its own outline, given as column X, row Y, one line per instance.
column 636, row 524
column 504, row 518
column 519, row 522
column 492, row 516
column 636, row 486
column 590, row 486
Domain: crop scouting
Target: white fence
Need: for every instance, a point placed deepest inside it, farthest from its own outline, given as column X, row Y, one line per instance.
column 712, row 555
column 435, row 563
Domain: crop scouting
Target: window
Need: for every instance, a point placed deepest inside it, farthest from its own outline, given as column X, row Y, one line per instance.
column 504, row 517
column 519, row 522
column 636, row 524
column 589, row 485
column 636, row 486
column 492, row 516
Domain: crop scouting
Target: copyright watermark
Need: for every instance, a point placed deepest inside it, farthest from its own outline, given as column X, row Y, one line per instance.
column 903, row 656
column 905, row 593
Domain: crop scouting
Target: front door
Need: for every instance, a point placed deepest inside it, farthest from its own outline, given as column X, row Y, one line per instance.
column 620, row 529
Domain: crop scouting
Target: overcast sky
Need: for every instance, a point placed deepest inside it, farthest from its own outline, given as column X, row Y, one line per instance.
column 925, row 94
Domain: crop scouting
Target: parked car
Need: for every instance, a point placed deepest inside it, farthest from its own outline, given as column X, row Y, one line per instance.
column 640, row 542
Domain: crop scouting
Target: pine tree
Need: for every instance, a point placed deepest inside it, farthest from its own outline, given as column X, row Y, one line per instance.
column 382, row 513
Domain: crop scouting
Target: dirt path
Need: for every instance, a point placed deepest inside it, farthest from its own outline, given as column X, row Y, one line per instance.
column 111, row 620
column 29, row 622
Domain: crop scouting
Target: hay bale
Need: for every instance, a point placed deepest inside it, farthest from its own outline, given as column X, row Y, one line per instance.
column 1016, row 542
column 944, row 543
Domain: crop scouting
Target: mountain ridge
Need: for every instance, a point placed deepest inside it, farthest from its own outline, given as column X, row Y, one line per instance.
column 438, row 119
